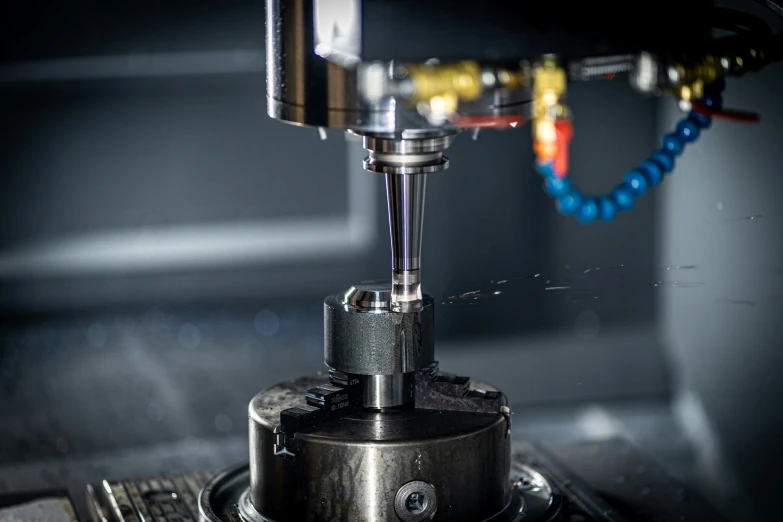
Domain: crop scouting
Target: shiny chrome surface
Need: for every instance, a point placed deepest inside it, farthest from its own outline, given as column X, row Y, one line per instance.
column 368, row 297
column 352, row 469
column 405, row 195
column 338, row 31
column 407, row 152
column 406, row 291
column 405, row 158
column 305, row 88
column 302, row 87
column 405, row 163
column 387, row 391
column 408, row 142
column 533, row 496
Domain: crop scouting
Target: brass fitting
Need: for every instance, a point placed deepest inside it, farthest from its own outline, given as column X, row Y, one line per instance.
column 461, row 80
column 689, row 80
column 446, row 103
column 548, row 76
column 511, row 79
column 549, row 86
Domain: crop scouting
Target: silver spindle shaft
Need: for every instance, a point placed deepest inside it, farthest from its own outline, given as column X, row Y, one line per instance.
column 405, row 200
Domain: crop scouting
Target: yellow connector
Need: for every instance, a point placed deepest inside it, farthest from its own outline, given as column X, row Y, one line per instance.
column 512, row 79
column 549, row 86
column 707, row 70
column 461, row 79
column 691, row 79
column 549, row 77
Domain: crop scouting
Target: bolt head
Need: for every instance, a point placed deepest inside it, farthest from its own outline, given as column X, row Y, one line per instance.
column 416, row 501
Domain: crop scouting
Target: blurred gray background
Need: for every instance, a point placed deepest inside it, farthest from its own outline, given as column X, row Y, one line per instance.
column 165, row 248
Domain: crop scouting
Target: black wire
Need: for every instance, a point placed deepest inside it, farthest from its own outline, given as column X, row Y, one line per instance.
column 738, row 22
column 772, row 6
column 749, row 31
column 775, row 47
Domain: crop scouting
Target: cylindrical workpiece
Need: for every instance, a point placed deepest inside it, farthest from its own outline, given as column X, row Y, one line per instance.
column 387, row 391
column 363, row 336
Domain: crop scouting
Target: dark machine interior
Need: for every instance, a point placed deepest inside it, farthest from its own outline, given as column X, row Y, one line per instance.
column 165, row 249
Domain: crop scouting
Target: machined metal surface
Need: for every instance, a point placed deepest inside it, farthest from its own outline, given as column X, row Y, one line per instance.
column 541, row 490
column 549, row 482
column 352, row 468
column 368, row 297
column 405, row 159
column 405, row 195
column 387, row 391
column 408, row 142
column 406, row 291
column 302, row 87
column 376, row 340
column 305, row 88
column 407, row 152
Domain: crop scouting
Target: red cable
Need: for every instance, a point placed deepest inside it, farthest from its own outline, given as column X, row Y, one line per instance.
column 565, row 133
column 726, row 114
column 488, row 122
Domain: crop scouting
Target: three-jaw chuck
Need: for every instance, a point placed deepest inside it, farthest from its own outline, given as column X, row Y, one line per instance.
column 385, row 435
